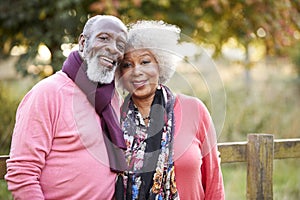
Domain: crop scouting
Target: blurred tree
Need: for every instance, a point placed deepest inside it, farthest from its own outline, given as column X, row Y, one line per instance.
column 276, row 23
column 31, row 23
column 35, row 22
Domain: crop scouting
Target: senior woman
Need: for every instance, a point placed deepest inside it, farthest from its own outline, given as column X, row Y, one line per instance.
column 171, row 141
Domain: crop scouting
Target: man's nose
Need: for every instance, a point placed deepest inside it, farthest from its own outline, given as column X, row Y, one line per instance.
column 113, row 49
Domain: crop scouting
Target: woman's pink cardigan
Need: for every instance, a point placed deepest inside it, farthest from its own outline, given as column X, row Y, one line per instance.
column 197, row 165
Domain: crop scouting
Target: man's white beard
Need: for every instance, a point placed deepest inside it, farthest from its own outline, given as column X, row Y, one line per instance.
column 98, row 73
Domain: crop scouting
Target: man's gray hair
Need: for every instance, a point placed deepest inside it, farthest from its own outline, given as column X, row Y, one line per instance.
column 90, row 22
column 160, row 39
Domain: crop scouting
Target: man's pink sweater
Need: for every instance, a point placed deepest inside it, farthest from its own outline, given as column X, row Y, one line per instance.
column 57, row 150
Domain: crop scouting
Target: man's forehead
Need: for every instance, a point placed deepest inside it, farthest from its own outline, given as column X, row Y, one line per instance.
column 109, row 25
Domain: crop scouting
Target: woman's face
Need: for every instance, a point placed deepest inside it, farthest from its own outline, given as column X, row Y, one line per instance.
column 139, row 73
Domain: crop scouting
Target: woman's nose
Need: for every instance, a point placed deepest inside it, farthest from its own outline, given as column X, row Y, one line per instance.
column 137, row 70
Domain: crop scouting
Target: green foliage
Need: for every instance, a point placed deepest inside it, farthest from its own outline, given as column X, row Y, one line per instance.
column 269, row 106
column 35, row 22
column 215, row 21
column 295, row 56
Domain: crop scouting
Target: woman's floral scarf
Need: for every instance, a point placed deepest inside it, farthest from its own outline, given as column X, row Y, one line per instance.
column 149, row 153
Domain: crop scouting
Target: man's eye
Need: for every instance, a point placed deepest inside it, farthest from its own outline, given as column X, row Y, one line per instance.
column 121, row 47
column 103, row 38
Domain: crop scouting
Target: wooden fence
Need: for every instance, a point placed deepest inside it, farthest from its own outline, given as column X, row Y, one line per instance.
column 258, row 152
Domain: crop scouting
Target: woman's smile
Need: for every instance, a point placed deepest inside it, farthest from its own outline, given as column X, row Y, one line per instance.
column 139, row 84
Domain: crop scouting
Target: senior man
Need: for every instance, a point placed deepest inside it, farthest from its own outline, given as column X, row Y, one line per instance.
column 67, row 124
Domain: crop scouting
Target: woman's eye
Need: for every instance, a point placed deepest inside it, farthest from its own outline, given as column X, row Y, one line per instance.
column 126, row 65
column 144, row 62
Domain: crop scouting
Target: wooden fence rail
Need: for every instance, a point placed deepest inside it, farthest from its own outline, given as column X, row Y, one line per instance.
column 258, row 152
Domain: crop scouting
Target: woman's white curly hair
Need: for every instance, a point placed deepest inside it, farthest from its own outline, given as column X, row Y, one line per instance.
column 160, row 39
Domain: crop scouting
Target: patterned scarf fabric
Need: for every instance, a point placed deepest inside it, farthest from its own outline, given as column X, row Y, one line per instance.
column 149, row 151
column 100, row 95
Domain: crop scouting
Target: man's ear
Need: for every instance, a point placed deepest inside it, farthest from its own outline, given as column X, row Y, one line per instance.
column 81, row 42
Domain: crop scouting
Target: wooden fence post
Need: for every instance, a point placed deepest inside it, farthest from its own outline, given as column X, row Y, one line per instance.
column 260, row 154
column 3, row 166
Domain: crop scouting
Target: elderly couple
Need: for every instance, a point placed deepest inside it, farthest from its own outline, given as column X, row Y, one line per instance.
column 75, row 138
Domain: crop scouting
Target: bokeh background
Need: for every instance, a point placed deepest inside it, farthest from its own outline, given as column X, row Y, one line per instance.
column 253, row 47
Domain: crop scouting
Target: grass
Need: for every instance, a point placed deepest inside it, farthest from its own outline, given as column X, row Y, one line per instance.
column 4, row 193
column 286, row 179
column 235, row 176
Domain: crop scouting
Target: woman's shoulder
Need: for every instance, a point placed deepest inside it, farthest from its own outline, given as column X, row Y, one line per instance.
column 190, row 104
column 187, row 100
